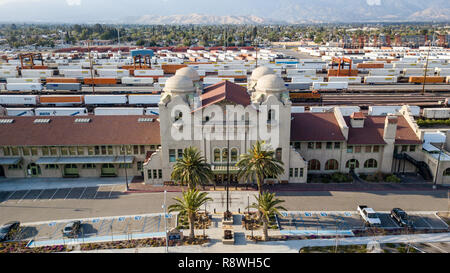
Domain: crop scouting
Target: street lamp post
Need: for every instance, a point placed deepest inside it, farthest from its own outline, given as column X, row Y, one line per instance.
column 125, row 166
column 425, row 71
column 165, row 222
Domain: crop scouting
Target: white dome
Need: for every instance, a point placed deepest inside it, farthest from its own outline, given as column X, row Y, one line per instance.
column 261, row 71
column 188, row 72
column 179, row 84
column 270, row 83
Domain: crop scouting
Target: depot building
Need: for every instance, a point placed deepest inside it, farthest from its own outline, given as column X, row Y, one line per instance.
column 308, row 143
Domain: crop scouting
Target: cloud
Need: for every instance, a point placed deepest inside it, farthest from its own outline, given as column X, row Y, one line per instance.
column 73, row 2
column 373, row 2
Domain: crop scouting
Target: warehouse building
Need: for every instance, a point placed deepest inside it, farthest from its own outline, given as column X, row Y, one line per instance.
column 97, row 146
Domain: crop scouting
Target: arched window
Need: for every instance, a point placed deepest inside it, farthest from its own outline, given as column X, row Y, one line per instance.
column 270, row 115
column 331, row 164
column 225, row 155
column 216, row 155
column 447, row 172
column 278, row 153
column 234, row 155
column 352, row 163
column 314, row 165
column 370, row 163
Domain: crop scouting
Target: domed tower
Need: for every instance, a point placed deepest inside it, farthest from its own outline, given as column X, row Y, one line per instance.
column 192, row 74
column 256, row 75
column 271, row 97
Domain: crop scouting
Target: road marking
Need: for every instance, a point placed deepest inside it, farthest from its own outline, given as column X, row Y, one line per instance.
column 9, row 196
column 96, row 193
column 68, row 193
column 54, row 194
column 112, row 188
column 423, row 218
column 23, row 196
column 438, row 248
column 38, row 195
column 82, row 192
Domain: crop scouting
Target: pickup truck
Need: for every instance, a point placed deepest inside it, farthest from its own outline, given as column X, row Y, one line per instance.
column 369, row 216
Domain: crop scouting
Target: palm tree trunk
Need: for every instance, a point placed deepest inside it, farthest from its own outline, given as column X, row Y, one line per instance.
column 259, row 182
column 191, row 225
column 265, row 229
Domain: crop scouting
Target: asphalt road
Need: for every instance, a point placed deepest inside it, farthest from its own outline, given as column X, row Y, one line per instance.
column 142, row 203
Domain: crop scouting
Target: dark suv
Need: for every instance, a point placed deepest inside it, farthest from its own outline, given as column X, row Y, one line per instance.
column 72, row 229
column 7, row 230
column 400, row 217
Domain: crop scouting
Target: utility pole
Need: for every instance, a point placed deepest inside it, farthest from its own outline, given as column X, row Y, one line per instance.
column 125, row 166
column 165, row 222
column 90, row 67
column 426, row 67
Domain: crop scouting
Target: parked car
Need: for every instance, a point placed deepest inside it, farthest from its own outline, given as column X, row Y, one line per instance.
column 8, row 230
column 72, row 229
column 369, row 216
column 401, row 217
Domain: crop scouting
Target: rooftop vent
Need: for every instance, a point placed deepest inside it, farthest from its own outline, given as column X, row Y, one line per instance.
column 146, row 119
column 82, row 120
column 6, row 121
column 38, row 121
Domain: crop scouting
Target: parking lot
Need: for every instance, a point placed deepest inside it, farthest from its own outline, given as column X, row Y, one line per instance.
column 341, row 222
column 97, row 229
column 96, row 192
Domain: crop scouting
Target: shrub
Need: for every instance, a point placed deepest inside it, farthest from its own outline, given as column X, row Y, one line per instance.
column 341, row 177
column 393, row 178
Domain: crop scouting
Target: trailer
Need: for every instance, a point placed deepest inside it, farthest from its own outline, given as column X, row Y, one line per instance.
column 407, row 72
column 19, row 99
column 293, row 72
column 24, row 86
column 64, row 86
column 105, row 99
column 349, row 80
column 330, row 86
column 385, row 72
column 115, row 111
column 293, row 86
column 61, row 111
column 380, row 79
column 76, row 73
column 148, row 73
column 232, row 73
column 61, row 100
column 113, row 73
column 428, row 79
column 385, row 110
column 306, row 79
column 23, row 80
column 137, row 81
column 8, row 73
column 143, row 99
column 20, row 112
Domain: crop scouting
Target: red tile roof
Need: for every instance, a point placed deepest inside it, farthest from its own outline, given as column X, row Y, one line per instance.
column 315, row 127
column 373, row 131
column 112, row 130
column 225, row 90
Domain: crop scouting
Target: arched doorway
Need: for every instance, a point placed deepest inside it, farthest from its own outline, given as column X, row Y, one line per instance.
column 2, row 171
column 33, row 170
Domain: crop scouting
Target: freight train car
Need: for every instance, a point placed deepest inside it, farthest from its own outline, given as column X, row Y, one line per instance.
column 137, row 81
column 330, row 86
column 64, row 86
column 305, row 96
column 23, row 80
column 19, row 100
column 429, row 79
column 61, row 111
column 143, row 99
column 24, row 87
column 110, row 111
column 380, row 79
column 19, row 112
column 105, row 99
column 61, row 100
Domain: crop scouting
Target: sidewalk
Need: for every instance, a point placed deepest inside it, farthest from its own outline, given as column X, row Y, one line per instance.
column 40, row 183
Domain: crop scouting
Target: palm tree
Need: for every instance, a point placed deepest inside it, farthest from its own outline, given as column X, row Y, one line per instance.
column 260, row 163
column 189, row 205
column 192, row 169
column 267, row 205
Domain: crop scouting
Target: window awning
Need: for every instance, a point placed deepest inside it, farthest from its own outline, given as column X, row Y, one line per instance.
column 85, row 160
column 222, row 169
column 10, row 160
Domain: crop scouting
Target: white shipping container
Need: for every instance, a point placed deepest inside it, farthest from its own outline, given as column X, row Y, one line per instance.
column 345, row 110
column 385, row 72
column 144, row 99
column 330, row 85
column 76, row 73
column 306, row 79
column 59, row 111
column 214, row 80
column 18, row 99
column 8, row 73
column 297, row 109
column 19, row 112
column 349, row 80
column 33, row 73
column 113, row 73
column 149, row 72
column 436, row 112
column 109, row 111
column 24, row 86
column 242, row 72
column 23, row 80
column 407, row 65
column 135, row 81
column 417, row 72
column 380, row 79
column 105, row 99
column 311, row 72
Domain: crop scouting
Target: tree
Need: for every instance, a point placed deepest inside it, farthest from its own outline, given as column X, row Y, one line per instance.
column 191, row 169
column 259, row 163
column 189, row 205
column 268, row 206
